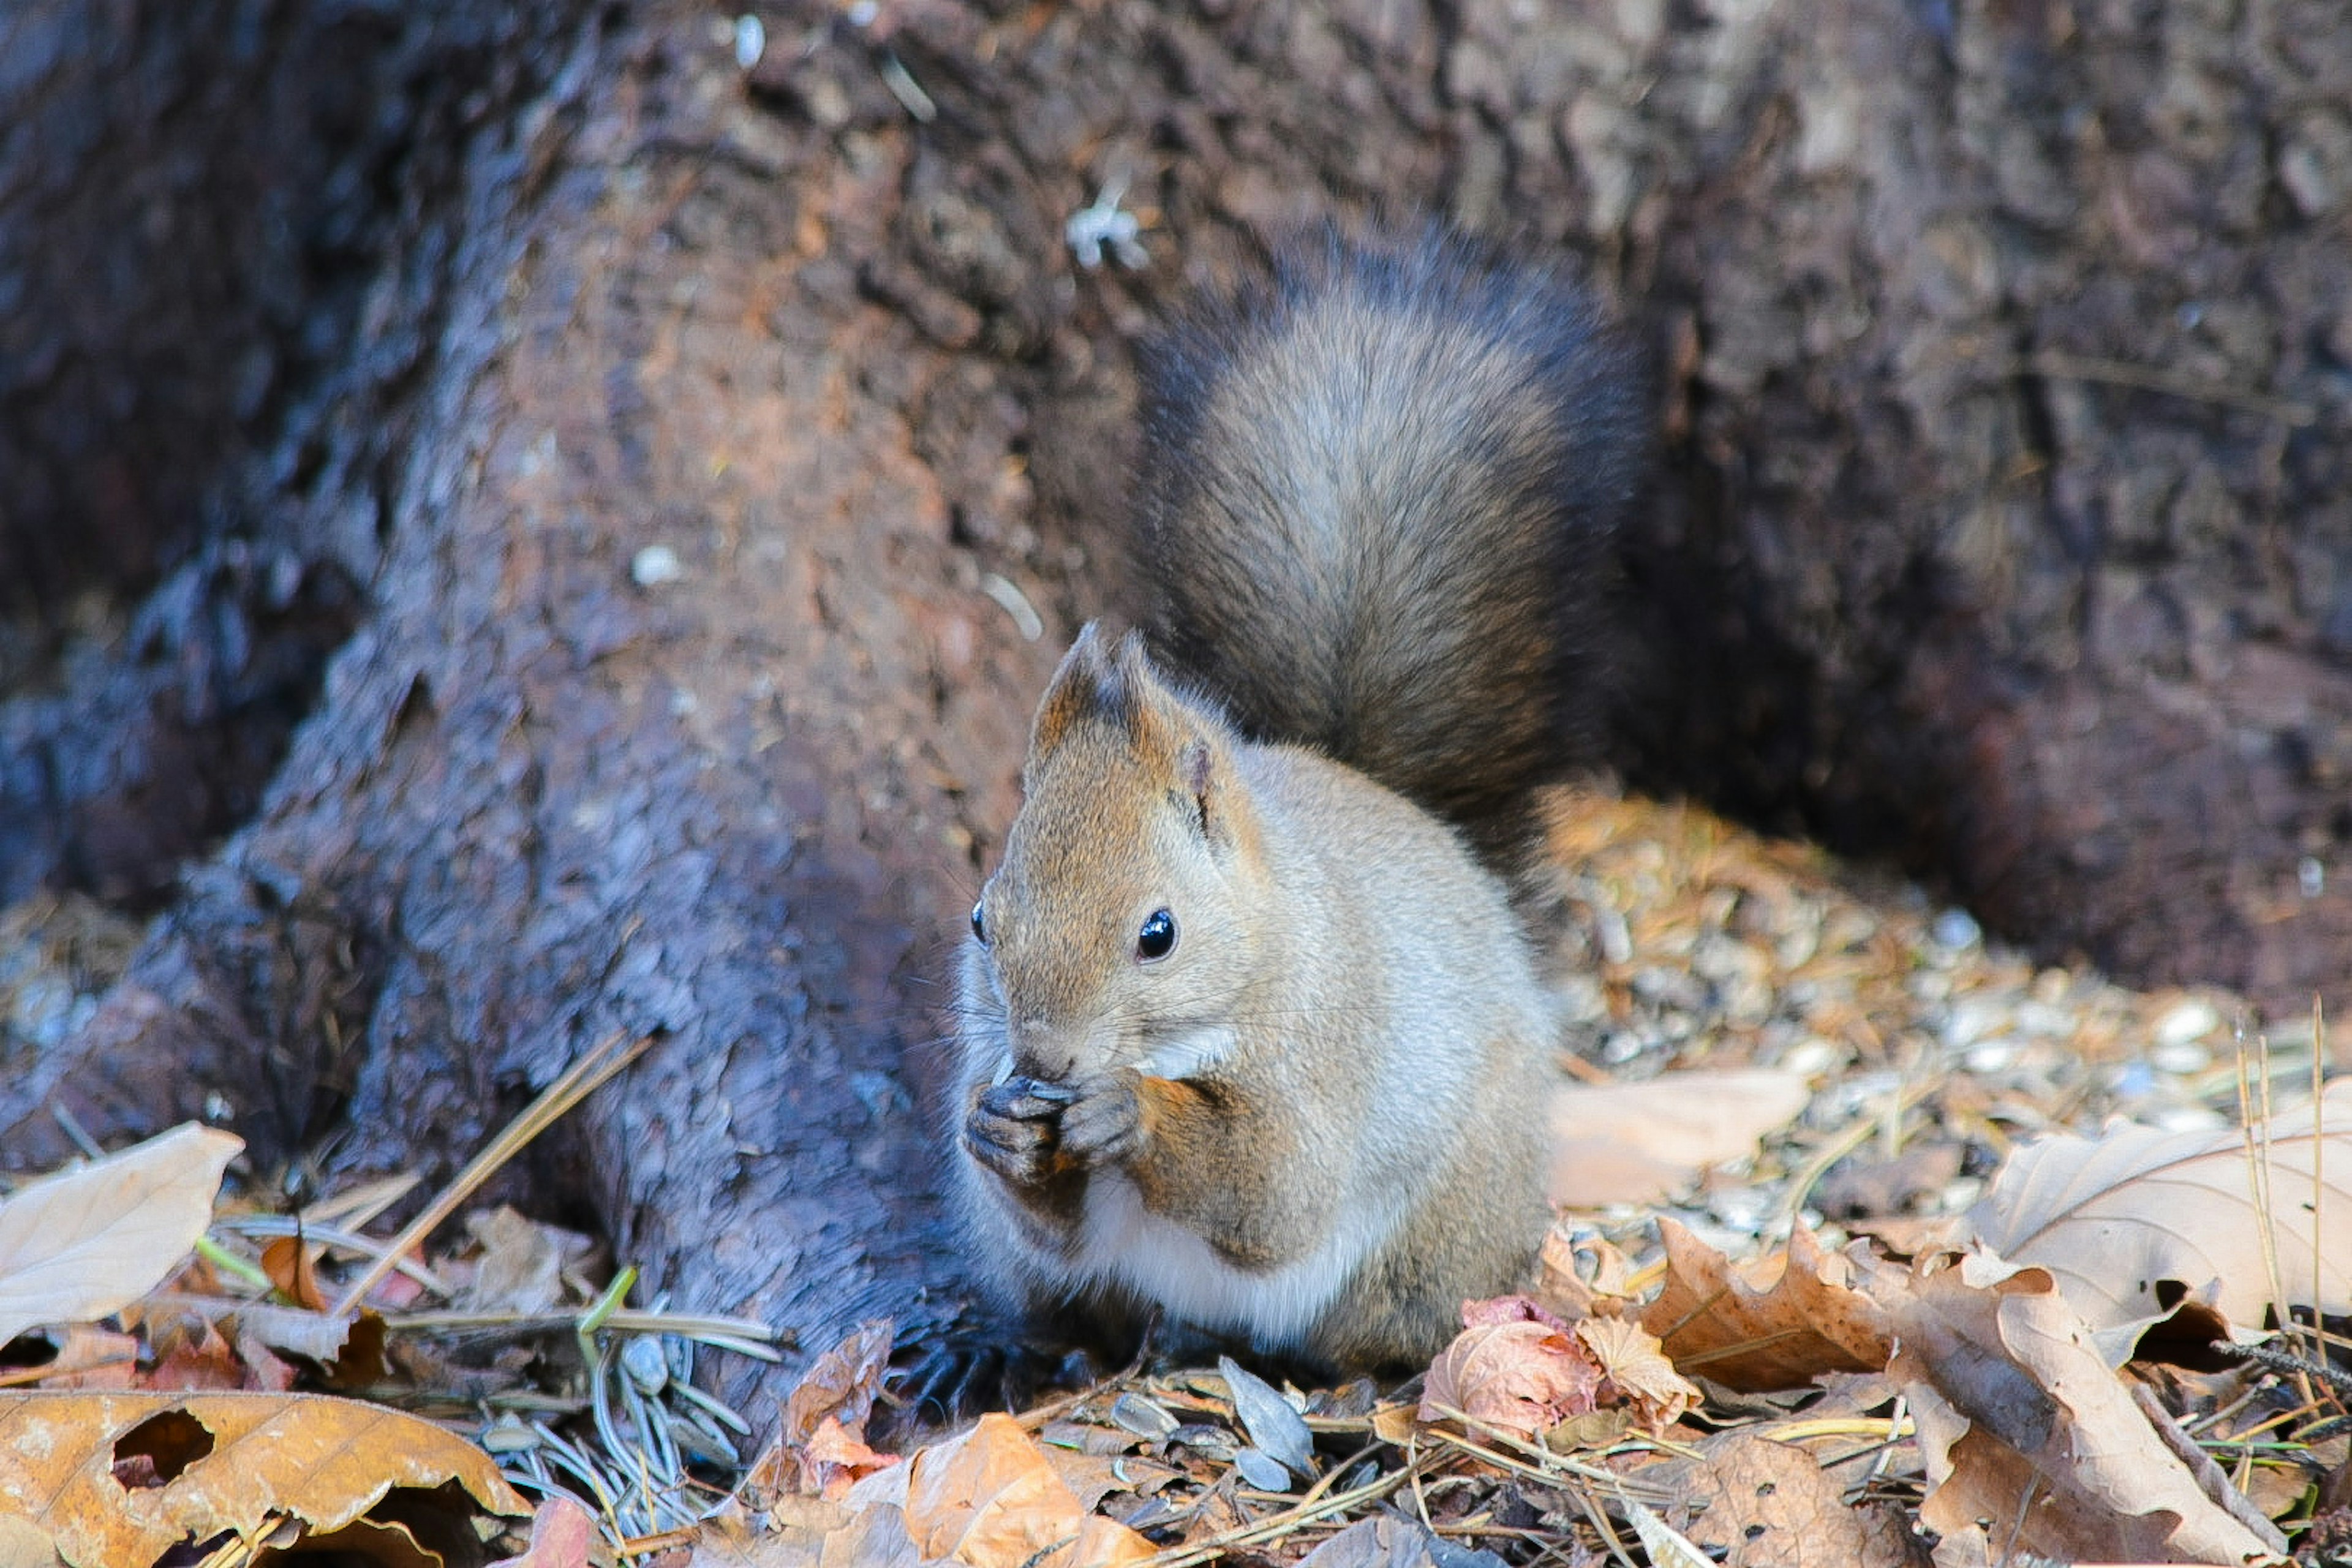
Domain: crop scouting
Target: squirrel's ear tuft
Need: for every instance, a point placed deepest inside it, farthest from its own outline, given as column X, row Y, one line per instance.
column 1087, row 684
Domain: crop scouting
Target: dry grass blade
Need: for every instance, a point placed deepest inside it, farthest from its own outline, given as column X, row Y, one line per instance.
column 581, row 1079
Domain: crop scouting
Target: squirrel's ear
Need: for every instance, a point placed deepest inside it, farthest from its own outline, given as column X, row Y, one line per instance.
column 1086, row 684
column 1187, row 743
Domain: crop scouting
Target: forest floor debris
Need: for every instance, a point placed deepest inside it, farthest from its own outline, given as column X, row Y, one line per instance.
column 1792, row 1082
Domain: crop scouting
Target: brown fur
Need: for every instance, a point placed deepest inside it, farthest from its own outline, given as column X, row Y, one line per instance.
column 1381, row 491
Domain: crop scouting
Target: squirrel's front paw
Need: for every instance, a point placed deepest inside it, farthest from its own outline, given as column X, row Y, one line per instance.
column 1103, row 1120
column 1015, row 1128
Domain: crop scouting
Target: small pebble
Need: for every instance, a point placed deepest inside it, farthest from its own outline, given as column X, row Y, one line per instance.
column 1616, row 941
column 653, row 565
column 2184, row 1021
column 642, row 1359
column 1960, row 1193
column 2311, row 876
column 751, row 41
column 1955, row 929
column 1621, row 1048
column 1991, row 1056
column 1810, row 1055
column 2180, row 1059
column 1972, row 1020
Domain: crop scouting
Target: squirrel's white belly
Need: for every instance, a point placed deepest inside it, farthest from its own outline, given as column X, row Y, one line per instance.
column 1162, row 1261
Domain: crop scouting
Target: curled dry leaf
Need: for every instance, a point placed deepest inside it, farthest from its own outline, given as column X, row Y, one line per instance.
column 842, row 1382
column 1514, row 1366
column 91, row 1241
column 1639, row 1373
column 1775, row 1322
column 119, row 1477
column 835, row 1459
column 990, row 1500
column 292, row 1264
column 820, row 1447
column 1641, row 1143
column 2122, row 1219
column 1585, row 1275
column 2032, row 1443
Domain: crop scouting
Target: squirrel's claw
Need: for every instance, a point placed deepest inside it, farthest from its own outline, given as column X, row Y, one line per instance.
column 1016, row 1148
column 1104, row 1121
column 966, row 1373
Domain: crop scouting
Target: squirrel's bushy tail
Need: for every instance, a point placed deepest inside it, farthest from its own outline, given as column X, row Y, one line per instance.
column 1381, row 494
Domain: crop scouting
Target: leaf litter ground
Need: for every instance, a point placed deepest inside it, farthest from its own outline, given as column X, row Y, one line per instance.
column 1754, row 1037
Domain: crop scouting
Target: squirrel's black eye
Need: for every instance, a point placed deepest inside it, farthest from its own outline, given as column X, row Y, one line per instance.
column 979, row 927
column 1157, row 938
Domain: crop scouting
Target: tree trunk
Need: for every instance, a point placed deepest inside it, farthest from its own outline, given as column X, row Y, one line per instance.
column 746, row 416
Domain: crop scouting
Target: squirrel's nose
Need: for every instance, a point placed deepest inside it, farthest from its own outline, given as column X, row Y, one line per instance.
column 1043, row 1049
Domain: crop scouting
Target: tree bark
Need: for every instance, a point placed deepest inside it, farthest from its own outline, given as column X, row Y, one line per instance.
column 2004, row 525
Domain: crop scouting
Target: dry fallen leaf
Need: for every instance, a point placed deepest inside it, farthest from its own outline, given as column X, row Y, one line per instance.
column 820, row 1447
column 522, row 1263
column 89, row 1241
column 561, row 1534
column 803, row 1532
column 1775, row 1322
column 2131, row 1220
column 835, row 1459
column 990, row 1500
column 2032, row 1443
column 1765, row 1504
column 119, row 1477
column 292, row 1264
column 88, row 1357
column 1513, row 1366
column 190, row 1355
column 1638, row 1372
column 1389, row 1540
column 1641, row 1143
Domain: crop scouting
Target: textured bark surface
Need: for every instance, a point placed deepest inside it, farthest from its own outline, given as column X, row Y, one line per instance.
column 231, row 238
column 2005, row 525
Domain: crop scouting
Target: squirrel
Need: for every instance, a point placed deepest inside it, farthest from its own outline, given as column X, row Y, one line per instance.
column 1249, row 1031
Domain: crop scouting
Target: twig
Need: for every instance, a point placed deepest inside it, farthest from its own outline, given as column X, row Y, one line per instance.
column 335, row 1236
column 72, row 1127
column 2060, row 367
column 18, row 1376
column 1273, row 1527
column 579, row 1079
column 356, row 1207
column 2208, row 1475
